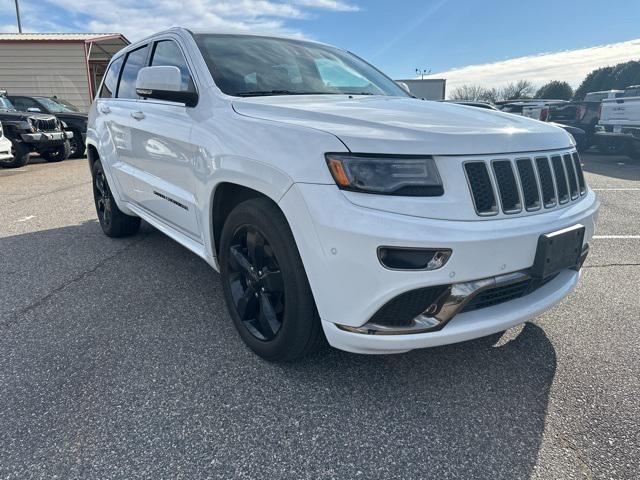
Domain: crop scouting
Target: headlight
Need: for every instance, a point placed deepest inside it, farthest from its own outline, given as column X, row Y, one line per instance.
column 32, row 124
column 63, row 125
column 407, row 175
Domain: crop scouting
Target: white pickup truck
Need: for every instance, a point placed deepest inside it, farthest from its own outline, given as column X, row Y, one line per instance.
column 620, row 121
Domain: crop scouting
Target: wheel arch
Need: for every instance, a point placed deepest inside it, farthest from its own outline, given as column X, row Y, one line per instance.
column 232, row 180
column 226, row 196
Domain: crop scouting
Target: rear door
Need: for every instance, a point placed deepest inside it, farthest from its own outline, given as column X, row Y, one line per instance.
column 162, row 153
column 112, row 126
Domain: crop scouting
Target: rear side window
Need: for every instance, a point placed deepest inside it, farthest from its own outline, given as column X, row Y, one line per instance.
column 167, row 53
column 108, row 89
column 136, row 59
column 23, row 104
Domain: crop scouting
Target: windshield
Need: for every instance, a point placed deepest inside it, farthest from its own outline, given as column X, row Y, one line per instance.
column 244, row 65
column 5, row 104
column 56, row 106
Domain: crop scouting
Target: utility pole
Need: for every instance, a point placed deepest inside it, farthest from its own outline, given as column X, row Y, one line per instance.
column 18, row 16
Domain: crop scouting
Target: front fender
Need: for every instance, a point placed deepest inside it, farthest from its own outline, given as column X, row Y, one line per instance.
column 254, row 174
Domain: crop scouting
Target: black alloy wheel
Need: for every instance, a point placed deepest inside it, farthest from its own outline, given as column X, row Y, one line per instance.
column 265, row 285
column 103, row 198
column 255, row 283
column 114, row 222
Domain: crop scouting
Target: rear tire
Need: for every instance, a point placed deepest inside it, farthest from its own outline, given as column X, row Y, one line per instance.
column 21, row 154
column 265, row 284
column 58, row 154
column 633, row 150
column 610, row 146
column 113, row 221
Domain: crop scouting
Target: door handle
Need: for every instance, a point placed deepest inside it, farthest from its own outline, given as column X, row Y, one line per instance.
column 105, row 109
column 137, row 115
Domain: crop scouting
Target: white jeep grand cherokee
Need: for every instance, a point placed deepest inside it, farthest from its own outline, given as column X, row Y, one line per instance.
column 332, row 203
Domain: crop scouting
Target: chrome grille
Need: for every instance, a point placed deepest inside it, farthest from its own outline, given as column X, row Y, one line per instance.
column 529, row 183
column 561, row 179
column 578, row 167
column 46, row 125
column 571, row 174
column 480, row 183
column 507, row 186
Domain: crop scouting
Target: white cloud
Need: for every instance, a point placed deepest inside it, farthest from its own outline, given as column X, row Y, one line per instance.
column 335, row 5
column 571, row 66
column 143, row 17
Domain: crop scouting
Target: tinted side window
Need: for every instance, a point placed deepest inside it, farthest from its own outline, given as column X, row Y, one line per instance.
column 136, row 59
column 108, row 89
column 22, row 104
column 167, row 53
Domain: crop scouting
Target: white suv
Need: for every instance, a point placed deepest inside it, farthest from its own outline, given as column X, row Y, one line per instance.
column 333, row 204
column 5, row 147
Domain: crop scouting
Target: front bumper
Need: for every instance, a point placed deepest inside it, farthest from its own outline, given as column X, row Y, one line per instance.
column 338, row 242
column 46, row 137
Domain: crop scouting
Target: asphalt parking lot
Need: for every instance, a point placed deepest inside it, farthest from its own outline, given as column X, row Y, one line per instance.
column 118, row 360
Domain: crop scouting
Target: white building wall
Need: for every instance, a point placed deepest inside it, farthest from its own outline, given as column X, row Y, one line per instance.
column 45, row 68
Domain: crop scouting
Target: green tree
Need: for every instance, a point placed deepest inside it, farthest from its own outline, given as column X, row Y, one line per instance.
column 556, row 90
column 609, row 78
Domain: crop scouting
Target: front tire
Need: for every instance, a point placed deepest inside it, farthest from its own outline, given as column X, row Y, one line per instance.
column 77, row 146
column 21, row 154
column 113, row 221
column 265, row 284
column 57, row 154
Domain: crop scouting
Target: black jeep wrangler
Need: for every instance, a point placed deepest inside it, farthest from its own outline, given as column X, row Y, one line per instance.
column 65, row 111
column 32, row 132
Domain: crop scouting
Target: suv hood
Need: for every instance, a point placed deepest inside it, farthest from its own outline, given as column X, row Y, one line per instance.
column 408, row 126
column 22, row 116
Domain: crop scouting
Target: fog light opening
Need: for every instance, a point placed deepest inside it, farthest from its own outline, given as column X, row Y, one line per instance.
column 408, row 258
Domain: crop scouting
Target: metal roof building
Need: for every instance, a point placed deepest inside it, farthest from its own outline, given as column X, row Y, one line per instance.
column 68, row 65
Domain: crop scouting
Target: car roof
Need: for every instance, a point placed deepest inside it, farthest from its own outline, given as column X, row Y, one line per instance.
column 211, row 31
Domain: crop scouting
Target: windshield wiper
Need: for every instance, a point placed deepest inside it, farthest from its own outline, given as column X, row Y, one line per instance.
column 261, row 93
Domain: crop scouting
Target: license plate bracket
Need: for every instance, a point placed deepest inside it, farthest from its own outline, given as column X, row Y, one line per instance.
column 558, row 250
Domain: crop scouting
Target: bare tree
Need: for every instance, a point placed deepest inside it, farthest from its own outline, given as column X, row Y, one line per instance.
column 519, row 89
column 478, row 93
column 471, row 93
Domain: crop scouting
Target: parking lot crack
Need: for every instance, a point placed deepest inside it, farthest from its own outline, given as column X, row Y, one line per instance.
column 582, row 463
column 13, row 318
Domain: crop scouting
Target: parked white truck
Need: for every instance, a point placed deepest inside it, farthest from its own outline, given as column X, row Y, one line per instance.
column 620, row 121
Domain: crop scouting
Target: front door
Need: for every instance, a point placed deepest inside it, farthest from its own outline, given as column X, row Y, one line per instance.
column 162, row 154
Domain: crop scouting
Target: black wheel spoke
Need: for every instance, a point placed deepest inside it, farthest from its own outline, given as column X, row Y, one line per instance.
column 100, row 184
column 240, row 262
column 247, row 305
column 267, row 317
column 255, row 248
column 256, row 283
column 272, row 281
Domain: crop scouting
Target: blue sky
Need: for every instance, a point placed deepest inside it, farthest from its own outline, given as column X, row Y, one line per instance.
column 397, row 36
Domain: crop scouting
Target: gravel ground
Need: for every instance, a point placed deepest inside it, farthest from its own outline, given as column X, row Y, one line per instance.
column 118, row 360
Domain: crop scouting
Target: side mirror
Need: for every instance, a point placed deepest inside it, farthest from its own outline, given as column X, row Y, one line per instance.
column 34, row 110
column 404, row 86
column 164, row 83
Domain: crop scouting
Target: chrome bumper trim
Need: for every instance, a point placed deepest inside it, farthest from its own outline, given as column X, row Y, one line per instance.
column 452, row 301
